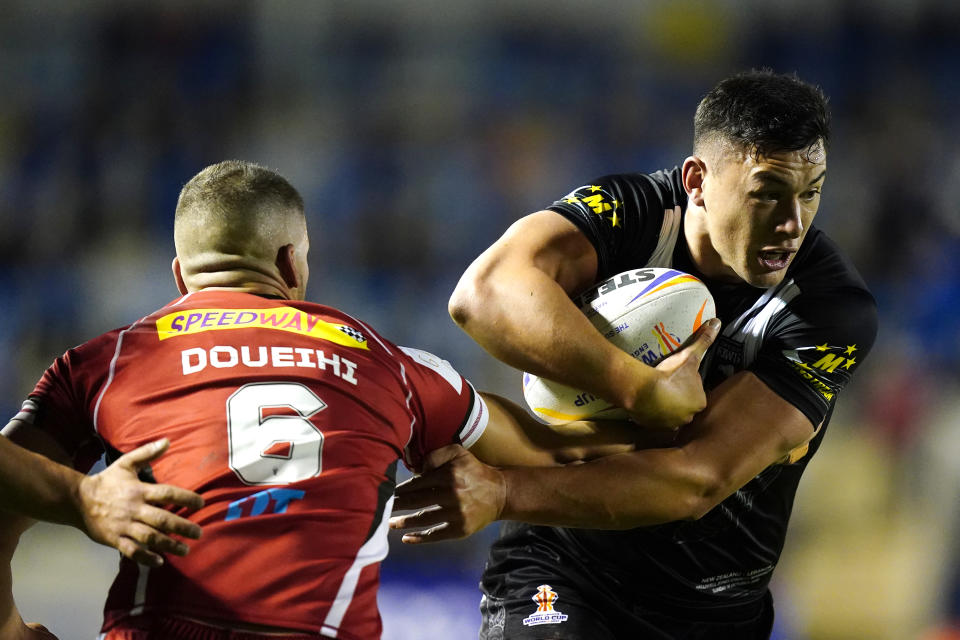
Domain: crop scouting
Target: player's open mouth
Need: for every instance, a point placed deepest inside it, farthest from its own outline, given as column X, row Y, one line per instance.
column 775, row 260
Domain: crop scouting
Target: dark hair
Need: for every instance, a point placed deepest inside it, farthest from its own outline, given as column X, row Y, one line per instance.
column 765, row 112
column 239, row 187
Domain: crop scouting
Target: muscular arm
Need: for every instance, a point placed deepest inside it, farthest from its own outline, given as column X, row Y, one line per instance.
column 515, row 438
column 112, row 507
column 16, row 492
column 514, row 300
column 34, row 481
column 746, row 428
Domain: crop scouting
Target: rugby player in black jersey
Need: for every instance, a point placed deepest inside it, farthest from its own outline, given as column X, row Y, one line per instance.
column 676, row 541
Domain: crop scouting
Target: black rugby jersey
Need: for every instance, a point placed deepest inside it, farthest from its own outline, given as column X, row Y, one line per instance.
column 804, row 338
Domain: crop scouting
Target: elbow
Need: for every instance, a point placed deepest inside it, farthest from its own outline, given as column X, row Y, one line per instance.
column 460, row 306
column 704, row 491
column 696, row 507
column 466, row 301
column 691, row 499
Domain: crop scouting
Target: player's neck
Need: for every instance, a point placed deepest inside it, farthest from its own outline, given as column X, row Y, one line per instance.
column 238, row 282
column 263, row 293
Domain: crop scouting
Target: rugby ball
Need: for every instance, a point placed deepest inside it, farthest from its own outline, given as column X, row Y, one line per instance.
column 648, row 313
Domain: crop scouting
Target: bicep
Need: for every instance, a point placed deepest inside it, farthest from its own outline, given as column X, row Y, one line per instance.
column 745, row 428
column 21, row 434
column 547, row 242
column 37, row 440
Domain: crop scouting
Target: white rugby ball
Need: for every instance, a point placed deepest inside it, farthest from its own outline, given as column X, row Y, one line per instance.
column 648, row 313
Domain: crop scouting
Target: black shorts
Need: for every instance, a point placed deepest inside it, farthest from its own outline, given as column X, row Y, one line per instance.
column 535, row 593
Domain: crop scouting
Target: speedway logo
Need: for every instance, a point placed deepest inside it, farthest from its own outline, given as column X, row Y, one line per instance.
column 188, row 322
column 545, row 613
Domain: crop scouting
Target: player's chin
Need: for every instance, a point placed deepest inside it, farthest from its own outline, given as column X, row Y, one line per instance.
column 762, row 277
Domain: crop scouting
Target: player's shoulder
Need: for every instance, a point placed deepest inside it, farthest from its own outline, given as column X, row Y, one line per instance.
column 428, row 363
column 634, row 188
column 97, row 350
column 822, row 269
column 830, row 289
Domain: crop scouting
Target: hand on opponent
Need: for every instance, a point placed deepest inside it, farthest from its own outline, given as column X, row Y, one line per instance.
column 465, row 496
column 121, row 511
column 458, row 495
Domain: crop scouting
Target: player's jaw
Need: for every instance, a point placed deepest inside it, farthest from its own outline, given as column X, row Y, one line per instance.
column 770, row 264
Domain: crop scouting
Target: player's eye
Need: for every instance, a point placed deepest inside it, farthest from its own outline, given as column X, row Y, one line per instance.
column 811, row 194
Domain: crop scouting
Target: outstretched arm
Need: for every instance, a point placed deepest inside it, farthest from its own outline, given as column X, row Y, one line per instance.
column 513, row 437
column 113, row 507
column 727, row 445
column 514, row 300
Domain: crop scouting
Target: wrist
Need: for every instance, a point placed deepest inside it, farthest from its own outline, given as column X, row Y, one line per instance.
column 504, row 504
column 632, row 384
column 502, row 492
column 76, row 500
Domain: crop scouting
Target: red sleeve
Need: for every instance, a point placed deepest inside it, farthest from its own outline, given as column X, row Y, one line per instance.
column 63, row 402
column 446, row 407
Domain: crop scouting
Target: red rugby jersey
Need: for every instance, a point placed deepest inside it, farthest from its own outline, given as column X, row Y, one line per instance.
column 288, row 418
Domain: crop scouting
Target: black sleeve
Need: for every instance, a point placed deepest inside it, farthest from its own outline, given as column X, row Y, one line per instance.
column 816, row 347
column 621, row 215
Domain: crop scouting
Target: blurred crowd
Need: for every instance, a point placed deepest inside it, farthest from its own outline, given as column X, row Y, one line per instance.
column 417, row 132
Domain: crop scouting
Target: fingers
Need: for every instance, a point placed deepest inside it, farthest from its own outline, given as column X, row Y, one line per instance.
column 166, row 522
column 132, row 550
column 415, row 499
column 149, row 535
column 704, row 338
column 438, row 521
column 142, row 455
column 154, row 540
column 438, row 533
column 441, row 456
column 121, row 511
column 168, row 494
column 429, row 516
column 434, row 490
column 143, row 541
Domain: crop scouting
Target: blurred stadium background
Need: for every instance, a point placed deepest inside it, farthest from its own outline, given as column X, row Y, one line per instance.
column 417, row 131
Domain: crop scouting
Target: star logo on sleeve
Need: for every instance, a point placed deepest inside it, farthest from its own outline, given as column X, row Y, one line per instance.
column 824, row 367
column 595, row 199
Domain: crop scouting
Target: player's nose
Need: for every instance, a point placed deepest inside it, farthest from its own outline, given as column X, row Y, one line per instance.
column 790, row 220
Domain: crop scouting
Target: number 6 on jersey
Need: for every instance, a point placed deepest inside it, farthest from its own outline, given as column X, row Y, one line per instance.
column 268, row 446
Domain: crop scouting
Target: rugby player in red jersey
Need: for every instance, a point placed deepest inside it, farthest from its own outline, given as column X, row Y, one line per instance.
column 287, row 417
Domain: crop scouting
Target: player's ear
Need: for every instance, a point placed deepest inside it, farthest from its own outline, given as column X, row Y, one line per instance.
column 693, row 172
column 178, row 277
column 288, row 266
